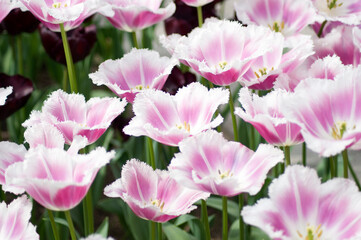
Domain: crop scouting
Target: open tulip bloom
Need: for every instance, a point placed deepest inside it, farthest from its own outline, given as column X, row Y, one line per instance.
column 4, row 92
column 264, row 113
column 300, row 207
column 153, row 195
column 138, row 14
column 138, row 70
column 73, row 116
column 221, row 51
column 169, row 119
column 328, row 112
column 14, row 220
column 208, row 162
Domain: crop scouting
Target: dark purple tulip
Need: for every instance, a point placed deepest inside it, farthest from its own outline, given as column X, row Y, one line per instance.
column 81, row 41
column 22, row 89
column 177, row 80
column 18, row 21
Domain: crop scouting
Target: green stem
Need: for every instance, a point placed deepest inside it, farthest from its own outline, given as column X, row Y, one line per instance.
column 234, row 121
column 345, row 163
column 287, row 152
column 71, row 225
column 19, row 47
column 205, row 219
column 85, row 217
column 241, row 223
column 354, row 176
column 135, row 40
column 252, row 138
column 89, row 207
column 224, row 218
column 160, row 231
column 321, row 28
column 69, row 60
column 65, row 79
column 200, row 16
column 304, row 154
column 53, row 225
column 332, row 167
column 153, row 230
column 151, row 153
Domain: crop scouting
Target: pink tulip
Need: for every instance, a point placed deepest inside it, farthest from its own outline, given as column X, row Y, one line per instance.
column 265, row 115
column 138, row 14
column 138, row 70
column 169, row 119
column 4, row 93
column 328, row 112
column 285, row 16
column 153, row 195
column 57, row 179
column 73, row 116
column 221, row 51
column 301, row 207
column 14, row 220
column 348, row 12
column 6, row 6
column 196, row 3
column 71, row 13
column 209, row 163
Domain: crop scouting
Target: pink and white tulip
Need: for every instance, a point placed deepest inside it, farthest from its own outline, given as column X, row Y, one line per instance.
column 153, row 195
column 73, row 116
column 301, row 207
column 57, row 179
column 221, row 51
column 264, row 113
column 138, row 14
column 15, row 220
column 328, row 112
column 196, row 3
column 209, row 163
column 138, row 70
column 4, row 93
column 96, row 237
column 71, row 13
column 169, row 119
column 286, row 16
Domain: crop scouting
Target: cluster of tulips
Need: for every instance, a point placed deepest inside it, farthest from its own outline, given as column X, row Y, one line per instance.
column 289, row 71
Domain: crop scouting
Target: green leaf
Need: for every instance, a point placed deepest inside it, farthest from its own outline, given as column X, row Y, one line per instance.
column 216, row 203
column 104, row 228
column 183, row 219
column 175, row 233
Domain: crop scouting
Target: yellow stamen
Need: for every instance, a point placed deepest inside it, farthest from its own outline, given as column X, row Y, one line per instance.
column 312, row 233
column 262, row 72
column 333, row 4
column 338, row 129
column 186, row 126
column 157, row 203
column 225, row 174
column 277, row 27
column 222, row 65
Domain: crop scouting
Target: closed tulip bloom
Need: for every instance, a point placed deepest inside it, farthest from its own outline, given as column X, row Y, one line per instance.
column 301, row 207
column 264, row 113
column 136, row 71
column 197, row 3
column 15, row 220
column 209, row 163
column 153, row 195
column 72, row 115
column 138, row 14
column 169, row 119
column 4, row 92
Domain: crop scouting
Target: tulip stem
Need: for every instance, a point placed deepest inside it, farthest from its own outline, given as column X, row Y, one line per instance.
column 70, row 224
column 234, row 121
column 345, row 163
column 224, row 218
column 304, row 154
column 53, row 225
column 135, row 40
column 332, row 166
column 287, row 152
column 160, row 231
column 319, row 34
column 19, row 47
column 241, row 223
column 69, row 60
column 153, row 229
column 354, row 176
column 200, row 16
column 89, row 206
column 204, row 219
column 151, row 153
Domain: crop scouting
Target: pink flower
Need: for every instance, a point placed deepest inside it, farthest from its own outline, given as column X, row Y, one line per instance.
column 6, row 6
column 221, row 51
column 138, row 70
column 265, row 115
column 4, row 93
column 196, row 3
column 328, row 112
column 285, row 16
column 71, row 13
column 207, row 162
column 73, row 116
column 300, row 207
column 57, row 179
column 14, row 220
column 138, row 14
column 153, row 195
column 348, row 12
column 44, row 134
column 96, row 237
column 169, row 119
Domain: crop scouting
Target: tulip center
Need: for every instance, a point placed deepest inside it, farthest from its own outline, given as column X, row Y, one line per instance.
column 339, row 128
column 312, row 233
column 262, row 72
column 140, row 87
column 157, row 203
column 333, row 4
column 225, row 174
column 59, row 5
column 186, row 126
column 222, row 65
column 277, row 27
